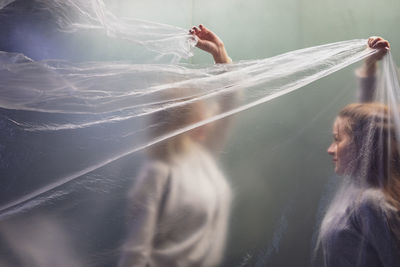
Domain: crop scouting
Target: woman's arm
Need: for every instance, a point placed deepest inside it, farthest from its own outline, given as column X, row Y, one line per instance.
column 211, row 43
column 367, row 72
column 144, row 207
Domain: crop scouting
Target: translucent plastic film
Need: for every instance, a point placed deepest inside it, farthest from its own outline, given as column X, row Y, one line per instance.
column 122, row 100
column 72, row 15
column 115, row 163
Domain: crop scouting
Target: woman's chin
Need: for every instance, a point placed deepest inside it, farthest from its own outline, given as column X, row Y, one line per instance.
column 340, row 171
column 337, row 170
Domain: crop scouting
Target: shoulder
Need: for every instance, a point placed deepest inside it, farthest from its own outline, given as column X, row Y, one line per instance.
column 371, row 210
column 371, row 200
column 152, row 178
column 155, row 168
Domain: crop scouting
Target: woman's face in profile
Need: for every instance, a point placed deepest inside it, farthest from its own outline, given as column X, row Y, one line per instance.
column 342, row 149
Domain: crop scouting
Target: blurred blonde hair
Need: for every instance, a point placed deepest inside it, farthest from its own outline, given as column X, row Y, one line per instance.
column 184, row 112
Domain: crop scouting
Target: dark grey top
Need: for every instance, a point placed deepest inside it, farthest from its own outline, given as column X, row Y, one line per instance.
column 359, row 235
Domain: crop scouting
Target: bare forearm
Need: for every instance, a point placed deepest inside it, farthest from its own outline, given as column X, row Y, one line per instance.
column 221, row 56
column 368, row 69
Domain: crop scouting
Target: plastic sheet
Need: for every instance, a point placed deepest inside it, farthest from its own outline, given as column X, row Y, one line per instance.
column 81, row 98
column 72, row 16
column 71, row 130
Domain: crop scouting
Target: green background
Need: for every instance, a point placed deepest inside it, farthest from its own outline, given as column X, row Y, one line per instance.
column 276, row 158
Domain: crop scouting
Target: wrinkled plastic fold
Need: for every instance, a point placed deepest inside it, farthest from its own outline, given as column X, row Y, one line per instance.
column 122, row 97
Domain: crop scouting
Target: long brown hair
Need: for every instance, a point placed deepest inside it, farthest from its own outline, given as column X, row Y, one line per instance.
column 377, row 161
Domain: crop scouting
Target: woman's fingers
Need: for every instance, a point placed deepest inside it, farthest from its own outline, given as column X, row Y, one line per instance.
column 203, row 28
column 378, row 43
column 371, row 41
column 382, row 44
column 200, row 30
column 196, row 30
column 374, row 41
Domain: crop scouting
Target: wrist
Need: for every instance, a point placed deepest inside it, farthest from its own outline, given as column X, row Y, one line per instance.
column 221, row 56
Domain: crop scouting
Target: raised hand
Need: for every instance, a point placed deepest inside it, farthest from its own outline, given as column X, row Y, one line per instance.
column 369, row 66
column 378, row 43
column 211, row 43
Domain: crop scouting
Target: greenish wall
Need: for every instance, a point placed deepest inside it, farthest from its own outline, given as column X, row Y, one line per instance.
column 262, row 28
column 276, row 158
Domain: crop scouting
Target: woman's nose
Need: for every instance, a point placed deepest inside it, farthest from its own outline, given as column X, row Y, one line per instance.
column 331, row 150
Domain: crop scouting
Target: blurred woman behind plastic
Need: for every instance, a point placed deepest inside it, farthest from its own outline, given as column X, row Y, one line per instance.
column 179, row 205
